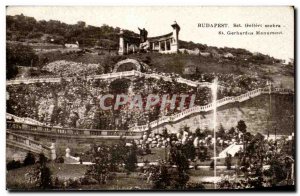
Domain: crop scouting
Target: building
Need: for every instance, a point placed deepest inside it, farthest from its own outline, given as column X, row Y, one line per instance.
column 168, row 43
column 72, row 45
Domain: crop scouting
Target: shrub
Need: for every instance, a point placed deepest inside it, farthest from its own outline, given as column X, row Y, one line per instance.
column 45, row 178
column 29, row 159
column 73, row 183
column 194, row 186
column 42, row 159
column 13, row 165
column 131, row 160
column 18, row 54
column 11, row 71
column 59, row 160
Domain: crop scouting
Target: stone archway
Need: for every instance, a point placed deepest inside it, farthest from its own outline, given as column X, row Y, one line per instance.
column 139, row 65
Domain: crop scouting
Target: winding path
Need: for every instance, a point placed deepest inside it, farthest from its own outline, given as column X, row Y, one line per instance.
column 110, row 76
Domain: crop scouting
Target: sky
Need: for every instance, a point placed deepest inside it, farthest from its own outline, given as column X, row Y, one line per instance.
column 157, row 21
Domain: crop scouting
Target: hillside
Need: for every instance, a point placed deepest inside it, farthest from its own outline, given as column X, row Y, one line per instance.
column 98, row 45
column 27, row 29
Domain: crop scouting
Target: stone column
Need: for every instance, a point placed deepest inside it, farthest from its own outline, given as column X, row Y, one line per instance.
column 153, row 46
column 121, row 44
column 127, row 48
column 165, row 45
column 159, row 45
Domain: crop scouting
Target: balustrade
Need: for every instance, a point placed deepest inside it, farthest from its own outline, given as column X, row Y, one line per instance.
column 208, row 107
column 31, row 144
column 176, row 117
column 107, row 76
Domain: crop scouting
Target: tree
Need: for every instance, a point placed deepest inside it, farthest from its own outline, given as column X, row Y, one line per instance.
column 202, row 154
column 248, row 137
column 221, row 132
column 189, row 150
column 18, row 55
column 161, row 177
column 11, row 71
column 186, row 129
column 45, row 177
column 21, row 55
column 276, row 170
column 198, row 132
column 100, row 169
column 81, row 24
column 42, row 159
column 178, row 157
column 43, row 174
column 241, row 126
column 181, row 180
column 165, row 133
column 13, row 165
column 131, row 159
column 228, row 161
column 29, row 159
column 231, row 131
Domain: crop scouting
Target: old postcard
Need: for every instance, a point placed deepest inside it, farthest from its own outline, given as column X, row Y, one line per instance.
column 150, row 98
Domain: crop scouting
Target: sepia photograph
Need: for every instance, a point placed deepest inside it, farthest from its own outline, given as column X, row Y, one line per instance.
column 159, row 98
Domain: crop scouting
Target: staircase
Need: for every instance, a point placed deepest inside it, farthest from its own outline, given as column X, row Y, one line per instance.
column 24, row 143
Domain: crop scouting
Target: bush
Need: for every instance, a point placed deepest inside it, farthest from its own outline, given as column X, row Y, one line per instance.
column 73, row 183
column 110, row 61
column 146, row 59
column 45, row 179
column 42, row 159
column 59, row 160
column 13, row 165
column 194, row 186
column 18, row 54
column 11, row 71
column 29, row 159
column 131, row 160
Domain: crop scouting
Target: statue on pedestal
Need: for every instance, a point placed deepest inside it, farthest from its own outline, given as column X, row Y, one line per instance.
column 143, row 35
column 144, row 43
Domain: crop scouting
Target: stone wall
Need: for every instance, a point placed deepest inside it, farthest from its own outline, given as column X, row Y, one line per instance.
column 15, row 154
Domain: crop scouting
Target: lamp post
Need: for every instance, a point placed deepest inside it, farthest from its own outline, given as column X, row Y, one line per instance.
column 214, row 89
